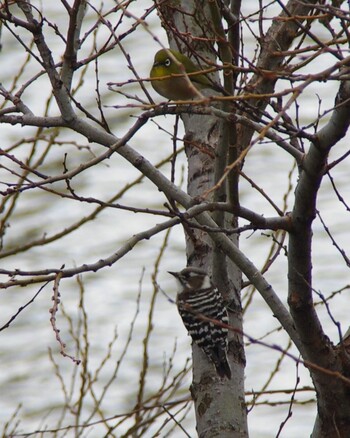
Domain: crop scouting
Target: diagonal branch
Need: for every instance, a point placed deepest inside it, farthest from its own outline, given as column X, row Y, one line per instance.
column 61, row 95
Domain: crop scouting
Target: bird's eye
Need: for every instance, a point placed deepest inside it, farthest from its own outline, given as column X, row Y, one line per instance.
column 167, row 62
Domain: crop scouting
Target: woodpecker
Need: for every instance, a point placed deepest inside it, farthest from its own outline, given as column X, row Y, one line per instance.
column 198, row 297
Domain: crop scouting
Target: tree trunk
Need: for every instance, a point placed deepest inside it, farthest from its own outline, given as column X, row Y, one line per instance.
column 219, row 404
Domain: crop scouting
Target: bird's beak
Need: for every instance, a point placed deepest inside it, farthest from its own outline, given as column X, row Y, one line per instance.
column 175, row 274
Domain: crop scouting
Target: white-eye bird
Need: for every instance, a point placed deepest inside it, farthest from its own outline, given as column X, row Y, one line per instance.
column 176, row 77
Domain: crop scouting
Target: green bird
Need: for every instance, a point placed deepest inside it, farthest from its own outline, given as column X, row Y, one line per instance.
column 171, row 81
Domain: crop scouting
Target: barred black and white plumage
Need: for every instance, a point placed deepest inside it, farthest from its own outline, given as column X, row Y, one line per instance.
column 198, row 296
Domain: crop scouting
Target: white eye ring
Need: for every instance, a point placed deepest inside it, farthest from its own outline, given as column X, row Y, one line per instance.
column 167, row 62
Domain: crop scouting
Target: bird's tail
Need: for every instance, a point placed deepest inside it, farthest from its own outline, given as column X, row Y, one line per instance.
column 222, row 366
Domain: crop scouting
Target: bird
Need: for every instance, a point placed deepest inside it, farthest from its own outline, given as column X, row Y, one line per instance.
column 198, row 297
column 169, row 76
